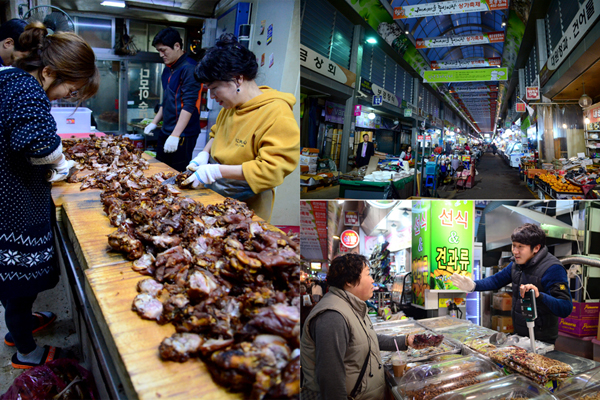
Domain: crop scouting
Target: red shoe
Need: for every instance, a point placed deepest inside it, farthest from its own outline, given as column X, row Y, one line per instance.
column 40, row 323
column 50, row 353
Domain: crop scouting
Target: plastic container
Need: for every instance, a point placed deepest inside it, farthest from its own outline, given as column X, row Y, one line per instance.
column 585, row 386
column 427, row 381
column 137, row 139
column 395, row 328
column 466, row 333
column 440, row 323
column 508, row 387
column 72, row 120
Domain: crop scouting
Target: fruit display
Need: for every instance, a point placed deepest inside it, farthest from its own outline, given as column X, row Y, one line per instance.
column 560, row 184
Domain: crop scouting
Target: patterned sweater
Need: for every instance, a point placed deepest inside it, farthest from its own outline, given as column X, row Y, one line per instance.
column 28, row 143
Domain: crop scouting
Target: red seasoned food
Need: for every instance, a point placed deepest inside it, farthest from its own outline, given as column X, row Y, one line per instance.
column 427, row 340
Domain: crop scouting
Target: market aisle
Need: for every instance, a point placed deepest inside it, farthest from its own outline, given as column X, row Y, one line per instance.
column 496, row 180
column 62, row 333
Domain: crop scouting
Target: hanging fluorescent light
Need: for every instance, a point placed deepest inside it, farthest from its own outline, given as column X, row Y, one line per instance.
column 164, row 3
column 120, row 4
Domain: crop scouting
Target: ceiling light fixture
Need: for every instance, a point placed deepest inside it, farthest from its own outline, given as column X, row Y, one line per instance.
column 164, row 3
column 406, row 29
column 503, row 21
column 371, row 40
column 585, row 100
column 120, row 4
column 371, row 115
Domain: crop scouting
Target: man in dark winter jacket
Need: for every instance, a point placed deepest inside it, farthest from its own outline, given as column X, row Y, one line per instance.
column 532, row 267
column 179, row 110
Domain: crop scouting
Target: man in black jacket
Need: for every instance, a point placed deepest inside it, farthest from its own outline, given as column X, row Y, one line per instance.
column 532, row 268
column 180, row 106
column 364, row 151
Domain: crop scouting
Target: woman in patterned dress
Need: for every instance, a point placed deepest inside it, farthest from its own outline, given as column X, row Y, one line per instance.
column 58, row 66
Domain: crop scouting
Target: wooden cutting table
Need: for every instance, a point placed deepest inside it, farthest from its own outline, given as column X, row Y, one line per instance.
column 104, row 286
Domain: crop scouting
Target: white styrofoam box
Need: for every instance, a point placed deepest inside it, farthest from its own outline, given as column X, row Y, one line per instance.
column 72, row 120
column 312, row 169
column 309, row 160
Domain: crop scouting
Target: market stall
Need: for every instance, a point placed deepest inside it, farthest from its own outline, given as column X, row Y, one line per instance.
column 121, row 348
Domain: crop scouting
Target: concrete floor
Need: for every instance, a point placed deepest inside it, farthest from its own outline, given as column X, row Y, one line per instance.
column 60, row 334
column 495, row 180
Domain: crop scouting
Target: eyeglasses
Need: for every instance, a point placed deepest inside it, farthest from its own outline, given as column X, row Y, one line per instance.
column 71, row 94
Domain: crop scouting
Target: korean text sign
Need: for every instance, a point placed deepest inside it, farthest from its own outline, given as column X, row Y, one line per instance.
column 442, row 244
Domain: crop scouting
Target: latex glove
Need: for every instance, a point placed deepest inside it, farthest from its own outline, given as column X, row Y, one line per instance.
column 171, row 144
column 148, row 130
column 463, row 282
column 60, row 169
column 205, row 175
column 201, row 159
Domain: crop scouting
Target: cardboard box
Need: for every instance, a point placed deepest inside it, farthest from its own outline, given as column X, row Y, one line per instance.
column 309, row 160
column 585, row 310
column 578, row 327
column 309, row 151
column 502, row 301
column 502, row 324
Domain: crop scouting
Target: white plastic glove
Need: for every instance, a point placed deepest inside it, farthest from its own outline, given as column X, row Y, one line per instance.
column 201, row 159
column 171, row 144
column 60, row 169
column 205, row 175
column 463, row 282
column 148, row 130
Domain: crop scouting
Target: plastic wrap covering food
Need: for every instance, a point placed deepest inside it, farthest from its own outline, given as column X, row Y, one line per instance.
column 482, row 346
column 397, row 328
column 537, row 367
column 525, row 343
column 465, row 333
column 441, row 323
column 430, row 380
column 414, row 355
column 58, row 379
column 513, row 387
column 585, row 386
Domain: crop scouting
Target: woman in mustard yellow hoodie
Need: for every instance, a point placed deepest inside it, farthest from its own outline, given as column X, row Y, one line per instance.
column 255, row 142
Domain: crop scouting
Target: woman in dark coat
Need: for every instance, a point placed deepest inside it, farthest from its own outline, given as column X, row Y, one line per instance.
column 58, row 66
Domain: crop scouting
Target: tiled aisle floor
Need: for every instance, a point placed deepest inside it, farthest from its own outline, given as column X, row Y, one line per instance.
column 61, row 334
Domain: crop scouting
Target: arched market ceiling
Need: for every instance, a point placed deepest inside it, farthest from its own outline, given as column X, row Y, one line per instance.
column 461, row 24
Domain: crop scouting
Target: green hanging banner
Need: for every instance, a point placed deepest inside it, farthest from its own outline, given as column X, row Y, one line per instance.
column 466, row 75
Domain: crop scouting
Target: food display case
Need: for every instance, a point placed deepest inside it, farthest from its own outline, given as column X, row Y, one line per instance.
column 427, row 381
column 415, row 355
column 585, row 386
column 441, row 323
column 395, row 328
column 508, row 387
column 466, row 332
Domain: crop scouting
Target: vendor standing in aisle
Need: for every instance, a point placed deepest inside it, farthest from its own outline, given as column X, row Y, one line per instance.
column 179, row 110
column 10, row 49
column 255, row 142
column 59, row 66
column 532, row 267
column 364, row 152
column 339, row 349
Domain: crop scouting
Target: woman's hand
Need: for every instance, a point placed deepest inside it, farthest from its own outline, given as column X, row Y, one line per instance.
column 205, row 174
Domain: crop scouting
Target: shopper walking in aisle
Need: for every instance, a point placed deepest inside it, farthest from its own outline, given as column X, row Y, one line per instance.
column 339, row 349
column 316, row 292
column 180, row 106
column 255, row 142
column 448, row 148
column 364, row 152
column 10, row 49
column 58, row 66
column 532, row 267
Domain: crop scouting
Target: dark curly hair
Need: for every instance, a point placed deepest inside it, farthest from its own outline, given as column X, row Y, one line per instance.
column 226, row 61
column 529, row 234
column 346, row 269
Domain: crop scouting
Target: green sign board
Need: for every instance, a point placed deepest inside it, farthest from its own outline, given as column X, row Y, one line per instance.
column 442, row 244
column 466, row 75
column 408, row 112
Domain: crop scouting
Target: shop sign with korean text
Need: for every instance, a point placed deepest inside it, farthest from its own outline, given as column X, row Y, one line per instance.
column 520, row 107
column 322, row 65
column 474, row 63
column 584, row 19
column 448, row 7
column 368, row 87
column 532, row 93
column 442, row 244
column 334, row 112
column 466, row 75
column 594, row 113
column 313, row 229
column 460, row 40
column 349, row 238
column 351, row 218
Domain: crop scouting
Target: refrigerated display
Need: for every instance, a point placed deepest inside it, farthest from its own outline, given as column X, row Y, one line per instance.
column 509, row 387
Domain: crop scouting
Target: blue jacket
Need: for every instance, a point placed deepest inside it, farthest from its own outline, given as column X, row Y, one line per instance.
column 181, row 92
